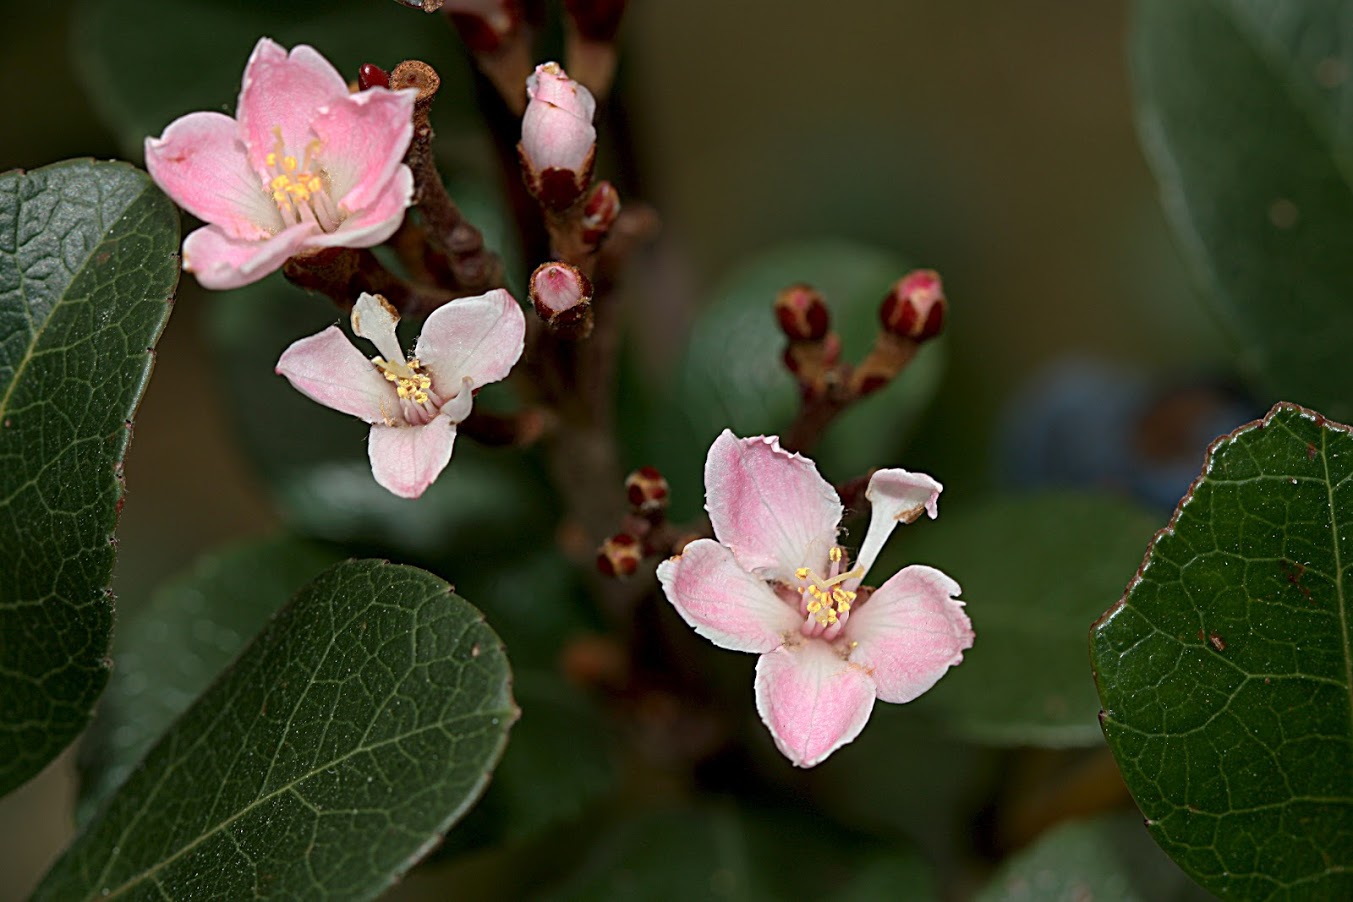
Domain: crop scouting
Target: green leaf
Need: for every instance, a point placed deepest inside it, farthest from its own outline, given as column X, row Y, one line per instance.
column 326, row 760
column 732, row 375
column 1108, row 859
column 146, row 62
column 87, row 271
column 1034, row 569
column 1242, row 106
column 1224, row 672
column 171, row 650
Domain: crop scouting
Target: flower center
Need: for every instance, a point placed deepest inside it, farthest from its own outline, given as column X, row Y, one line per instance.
column 418, row 403
column 826, row 600
column 299, row 187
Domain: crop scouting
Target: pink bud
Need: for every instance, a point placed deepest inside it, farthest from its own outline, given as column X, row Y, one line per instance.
column 802, row 313
column 916, row 306
column 619, row 555
column 647, row 490
column 558, row 142
column 562, row 296
column 599, row 212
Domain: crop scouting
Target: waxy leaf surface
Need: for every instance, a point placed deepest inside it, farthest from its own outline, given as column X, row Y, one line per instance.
column 331, row 755
column 87, row 270
column 1224, row 672
column 1243, row 110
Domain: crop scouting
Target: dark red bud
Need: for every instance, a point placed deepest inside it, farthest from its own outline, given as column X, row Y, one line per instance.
column 372, row 76
column 647, row 490
column 802, row 313
column 596, row 20
column 619, row 555
column 600, row 211
column 916, row 307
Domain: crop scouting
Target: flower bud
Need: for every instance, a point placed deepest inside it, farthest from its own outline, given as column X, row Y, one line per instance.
column 916, row 306
column 372, row 76
column 596, row 20
column 802, row 313
column 562, row 295
column 647, row 490
column 483, row 24
column 558, row 142
column 599, row 212
column 619, row 555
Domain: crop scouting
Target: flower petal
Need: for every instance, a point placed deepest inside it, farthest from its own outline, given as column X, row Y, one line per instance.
column 406, row 459
column 371, row 226
column 724, row 603
column 220, row 261
column 813, row 701
column 330, row 369
column 200, row 163
column 770, row 506
column 364, row 137
column 910, row 631
column 374, row 318
column 480, row 337
column 895, row 496
column 284, row 91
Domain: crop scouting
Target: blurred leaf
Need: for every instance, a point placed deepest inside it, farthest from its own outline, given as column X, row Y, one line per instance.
column 1242, row 106
column 732, row 375
column 1035, row 571
column 326, row 760
column 172, row 649
column 1224, row 671
column 703, row 853
column 1108, row 859
column 146, row 62
column 87, row 271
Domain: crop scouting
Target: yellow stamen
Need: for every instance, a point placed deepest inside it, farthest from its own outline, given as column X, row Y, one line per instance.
column 827, row 600
column 835, row 554
column 411, row 383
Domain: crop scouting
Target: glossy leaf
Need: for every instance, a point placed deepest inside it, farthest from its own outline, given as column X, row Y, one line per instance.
column 171, row 650
column 1242, row 106
column 327, row 759
column 1034, row 570
column 1224, row 672
column 1107, row 859
column 87, row 271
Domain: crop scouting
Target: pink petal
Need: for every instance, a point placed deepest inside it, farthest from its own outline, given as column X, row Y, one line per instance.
column 364, row 137
column 895, row 496
column 480, row 337
column 406, row 459
column 770, row 506
column 812, row 700
column 200, row 163
column 371, row 226
column 220, row 261
column 374, row 318
column 331, row 370
column 724, row 603
column 284, row 91
column 910, row 631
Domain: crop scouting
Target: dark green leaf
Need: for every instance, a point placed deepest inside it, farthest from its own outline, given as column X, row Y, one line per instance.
column 173, row 648
column 146, row 62
column 1109, row 859
column 1243, row 111
column 1224, row 671
column 87, row 269
column 732, row 375
column 325, row 761
column 1034, row 570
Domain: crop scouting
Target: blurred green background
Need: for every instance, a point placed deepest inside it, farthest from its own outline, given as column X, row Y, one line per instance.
column 989, row 140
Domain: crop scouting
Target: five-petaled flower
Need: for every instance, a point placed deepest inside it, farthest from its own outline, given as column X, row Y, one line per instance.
column 305, row 165
column 414, row 404
column 777, row 583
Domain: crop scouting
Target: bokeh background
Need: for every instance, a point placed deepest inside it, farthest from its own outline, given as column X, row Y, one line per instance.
column 992, row 141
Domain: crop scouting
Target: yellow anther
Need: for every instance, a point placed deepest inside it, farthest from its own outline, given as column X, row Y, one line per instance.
column 802, row 572
column 270, row 159
column 289, row 163
column 814, row 607
column 835, row 554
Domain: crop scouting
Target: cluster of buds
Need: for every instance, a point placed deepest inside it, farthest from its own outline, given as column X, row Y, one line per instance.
column 814, row 350
column 912, row 313
column 645, row 531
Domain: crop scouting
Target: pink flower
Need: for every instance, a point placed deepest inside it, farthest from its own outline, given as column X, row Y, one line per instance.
column 558, row 141
column 413, row 405
column 776, row 583
column 305, row 165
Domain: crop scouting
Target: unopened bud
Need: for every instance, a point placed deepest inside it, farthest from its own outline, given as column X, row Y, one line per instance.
column 916, row 307
column 599, row 212
column 562, row 295
column 372, row 76
column 619, row 555
column 596, row 20
column 558, row 141
column 647, row 490
column 802, row 313
column 483, row 24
